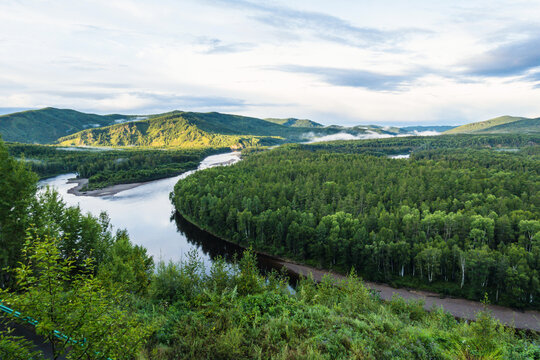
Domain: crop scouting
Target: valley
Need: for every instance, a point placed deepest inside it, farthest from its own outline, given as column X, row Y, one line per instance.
column 125, row 211
column 260, row 180
column 309, row 206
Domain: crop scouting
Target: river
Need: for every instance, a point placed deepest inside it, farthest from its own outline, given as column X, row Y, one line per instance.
column 149, row 217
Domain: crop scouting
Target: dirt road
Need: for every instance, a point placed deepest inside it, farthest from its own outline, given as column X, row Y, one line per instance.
column 461, row 308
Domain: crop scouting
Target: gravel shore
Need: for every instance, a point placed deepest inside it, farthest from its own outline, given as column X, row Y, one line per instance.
column 107, row 191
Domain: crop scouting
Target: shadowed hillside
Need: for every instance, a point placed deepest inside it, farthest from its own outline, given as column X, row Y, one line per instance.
column 46, row 125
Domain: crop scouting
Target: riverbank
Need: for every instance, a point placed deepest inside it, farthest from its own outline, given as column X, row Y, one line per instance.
column 106, row 191
column 459, row 308
column 208, row 162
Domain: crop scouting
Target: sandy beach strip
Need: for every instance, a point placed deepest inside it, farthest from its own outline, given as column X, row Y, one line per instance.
column 107, row 191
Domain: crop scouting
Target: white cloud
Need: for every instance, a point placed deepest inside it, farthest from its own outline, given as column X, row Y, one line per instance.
column 345, row 136
column 343, row 62
column 426, row 133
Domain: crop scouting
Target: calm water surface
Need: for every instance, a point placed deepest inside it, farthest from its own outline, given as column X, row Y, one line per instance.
column 148, row 215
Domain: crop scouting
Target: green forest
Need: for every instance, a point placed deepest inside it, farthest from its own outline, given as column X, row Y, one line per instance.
column 460, row 216
column 109, row 166
column 293, row 122
column 92, row 294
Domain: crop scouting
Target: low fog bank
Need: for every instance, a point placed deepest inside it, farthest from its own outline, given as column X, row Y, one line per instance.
column 424, row 133
column 313, row 138
column 401, row 156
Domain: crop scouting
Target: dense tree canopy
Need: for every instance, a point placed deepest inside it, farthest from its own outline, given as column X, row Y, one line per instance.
column 17, row 189
column 95, row 295
column 458, row 217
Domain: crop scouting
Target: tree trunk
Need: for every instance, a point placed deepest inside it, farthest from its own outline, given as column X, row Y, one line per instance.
column 462, row 262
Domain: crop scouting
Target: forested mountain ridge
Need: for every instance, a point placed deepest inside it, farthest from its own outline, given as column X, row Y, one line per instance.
column 46, row 125
column 198, row 130
column 190, row 129
column 502, row 124
column 522, row 126
column 183, row 130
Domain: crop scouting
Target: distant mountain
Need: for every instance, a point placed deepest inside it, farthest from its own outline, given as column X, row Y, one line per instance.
column 503, row 124
column 390, row 130
column 363, row 129
column 187, row 130
column 427, row 128
column 196, row 130
column 46, row 125
column 193, row 129
column 293, row 122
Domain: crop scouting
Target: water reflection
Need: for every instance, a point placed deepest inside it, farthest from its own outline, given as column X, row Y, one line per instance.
column 212, row 247
column 145, row 211
column 151, row 220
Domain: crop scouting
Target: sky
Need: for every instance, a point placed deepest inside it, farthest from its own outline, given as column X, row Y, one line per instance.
column 426, row 62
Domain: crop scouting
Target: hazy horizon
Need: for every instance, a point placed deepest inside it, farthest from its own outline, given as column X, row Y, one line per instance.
column 7, row 111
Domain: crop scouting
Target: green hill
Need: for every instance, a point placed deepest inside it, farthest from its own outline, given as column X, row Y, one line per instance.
column 389, row 130
column 502, row 124
column 198, row 130
column 521, row 126
column 293, row 122
column 184, row 130
column 226, row 124
column 46, row 125
column 172, row 129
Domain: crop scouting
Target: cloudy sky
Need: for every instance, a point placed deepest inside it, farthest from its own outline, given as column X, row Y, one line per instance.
column 336, row 62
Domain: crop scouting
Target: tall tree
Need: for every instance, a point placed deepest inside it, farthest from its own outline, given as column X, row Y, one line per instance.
column 17, row 188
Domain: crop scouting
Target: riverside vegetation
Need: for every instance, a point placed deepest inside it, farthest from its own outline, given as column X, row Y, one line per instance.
column 68, row 271
column 458, row 217
column 105, row 167
column 186, row 137
column 129, row 148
